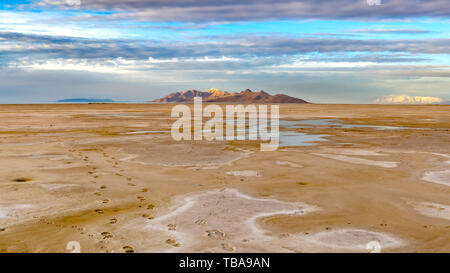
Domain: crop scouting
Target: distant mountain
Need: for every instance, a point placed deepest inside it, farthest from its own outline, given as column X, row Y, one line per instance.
column 85, row 100
column 215, row 95
column 183, row 96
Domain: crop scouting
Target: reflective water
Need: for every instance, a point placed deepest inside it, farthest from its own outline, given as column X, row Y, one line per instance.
column 332, row 123
column 289, row 138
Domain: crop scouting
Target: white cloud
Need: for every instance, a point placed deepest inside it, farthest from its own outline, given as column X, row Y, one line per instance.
column 41, row 24
column 213, row 59
column 405, row 99
column 116, row 66
column 109, row 66
column 314, row 64
column 156, row 61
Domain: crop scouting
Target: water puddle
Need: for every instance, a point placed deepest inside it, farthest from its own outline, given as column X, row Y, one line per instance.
column 290, row 138
column 333, row 123
column 287, row 138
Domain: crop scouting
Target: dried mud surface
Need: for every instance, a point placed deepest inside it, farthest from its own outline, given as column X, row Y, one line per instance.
column 72, row 173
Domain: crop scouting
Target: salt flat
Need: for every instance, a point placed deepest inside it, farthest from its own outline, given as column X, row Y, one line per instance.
column 84, row 180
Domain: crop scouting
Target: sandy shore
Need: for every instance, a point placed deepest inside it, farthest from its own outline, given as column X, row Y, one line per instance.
column 110, row 177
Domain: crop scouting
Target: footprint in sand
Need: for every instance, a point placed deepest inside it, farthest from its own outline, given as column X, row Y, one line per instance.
column 234, row 217
column 128, row 249
column 201, row 222
column 141, row 198
column 216, row 234
column 173, row 242
column 106, row 235
column 21, row 180
column 172, row 227
column 228, row 247
column 230, row 215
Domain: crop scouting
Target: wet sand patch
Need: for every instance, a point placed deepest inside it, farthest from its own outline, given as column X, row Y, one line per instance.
column 438, row 177
column 185, row 154
column 8, row 210
column 353, row 239
column 287, row 163
column 223, row 221
column 357, row 160
column 247, row 173
column 205, row 167
column 54, row 186
column 434, row 210
column 273, row 233
column 52, row 157
column 353, row 151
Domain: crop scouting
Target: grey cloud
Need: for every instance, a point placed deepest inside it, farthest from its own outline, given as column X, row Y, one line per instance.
column 253, row 10
column 39, row 46
column 63, row 47
column 392, row 31
column 417, row 72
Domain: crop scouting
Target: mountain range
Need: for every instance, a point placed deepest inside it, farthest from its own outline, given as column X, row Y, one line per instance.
column 79, row 100
column 216, row 95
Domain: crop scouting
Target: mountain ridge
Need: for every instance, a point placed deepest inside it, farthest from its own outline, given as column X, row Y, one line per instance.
column 84, row 100
column 216, row 95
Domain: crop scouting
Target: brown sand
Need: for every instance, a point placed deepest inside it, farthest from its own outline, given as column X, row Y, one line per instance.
column 68, row 173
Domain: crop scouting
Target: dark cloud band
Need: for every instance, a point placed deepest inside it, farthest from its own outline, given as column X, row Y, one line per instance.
column 255, row 10
column 40, row 46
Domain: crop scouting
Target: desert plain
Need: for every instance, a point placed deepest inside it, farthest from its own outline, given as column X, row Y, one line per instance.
column 110, row 178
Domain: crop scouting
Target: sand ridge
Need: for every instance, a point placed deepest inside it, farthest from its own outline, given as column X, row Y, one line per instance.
column 357, row 160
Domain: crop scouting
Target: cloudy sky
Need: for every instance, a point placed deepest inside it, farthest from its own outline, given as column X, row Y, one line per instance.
column 343, row 51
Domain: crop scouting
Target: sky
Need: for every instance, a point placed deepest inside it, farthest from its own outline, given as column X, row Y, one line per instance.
column 323, row 51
